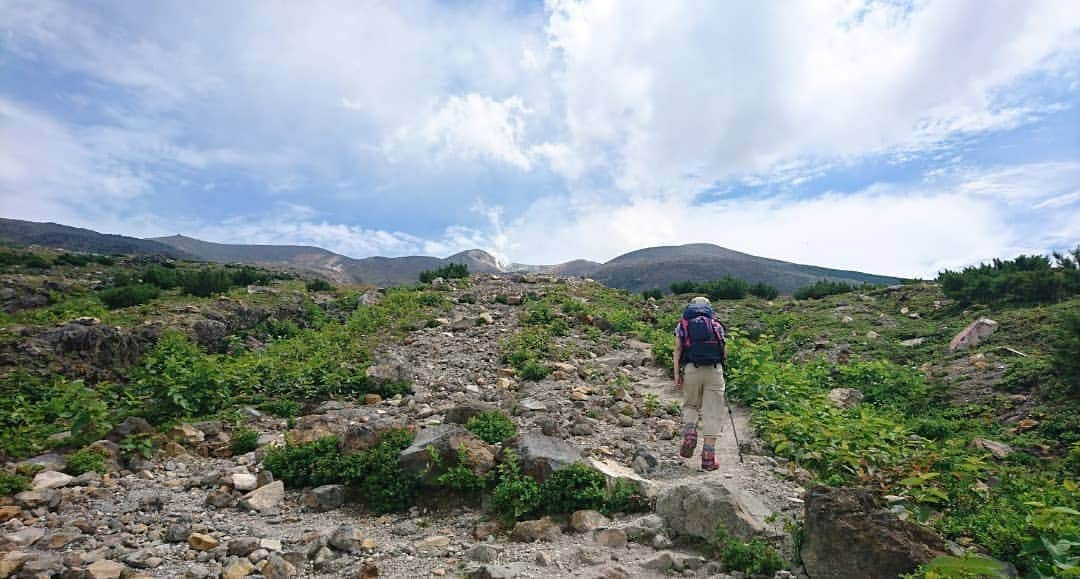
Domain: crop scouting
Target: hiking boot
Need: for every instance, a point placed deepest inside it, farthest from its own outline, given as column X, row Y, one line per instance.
column 689, row 443
column 708, row 459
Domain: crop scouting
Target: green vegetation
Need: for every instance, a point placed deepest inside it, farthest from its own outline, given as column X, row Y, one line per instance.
column 823, row 288
column 460, row 477
column 318, row 285
column 656, row 294
column 764, row 291
column 178, row 380
column 1027, row 279
column 244, row 440
column 754, row 558
column 375, row 474
column 12, row 483
column 35, row 409
column 516, row 495
column 725, row 288
column 492, row 426
column 128, row 295
column 86, row 460
column 450, row 271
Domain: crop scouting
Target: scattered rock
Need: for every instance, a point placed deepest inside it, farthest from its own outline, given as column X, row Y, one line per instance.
column 12, row 562
column 324, row 498
column 541, row 455
column 844, row 397
column 645, row 528
column 659, row 562
column 446, row 440
column 105, row 569
column 1000, row 450
column 543, row 529
column 482, row 553
column 50, row 479
column 913, row 342
column 278, row 568
column 237, row 568
column 847, row 535
column 265, row 499
column 348, row 539
column 612, row 538
column 434, row 543
column 187, row 434
column 202, row 542
column 973, row 334
column 49, row 498
column 586, row 521
column 243, row 546
column 243, row 481
column 698, row 509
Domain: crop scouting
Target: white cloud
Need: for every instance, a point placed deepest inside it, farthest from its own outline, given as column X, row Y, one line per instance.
column 467, row 128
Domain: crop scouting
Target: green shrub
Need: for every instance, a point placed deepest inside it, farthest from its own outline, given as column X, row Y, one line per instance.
column 461, row 477
column 206, row 282
column 35, row 409
column 625, row 498
column 451, row 271
column 84, row 461
column 11, row 484
column 244, row 440
column 282, row 408
column 1066, row 346
column 764, row 291
column 378, row 476
column 310, row 465
column 128, row 295
column 516, row 496
column 533, row 370
column 725, row 288
column 318, row 285
column 573, row 488
column 1027, row 279
column 162, row 277
column 753, row 558
column 823, row 288
column 179, row 380
column 656, row 294
column 492, row 426
column 140, row 444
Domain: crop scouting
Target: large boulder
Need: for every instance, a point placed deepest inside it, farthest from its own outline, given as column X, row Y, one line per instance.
column 365, row 436
column 974, row 334
column 315, row 426
column 697, row 509
column 848, row 535
column 844, row 397
column 265, row 499
column 540, row 455
column 443, row 442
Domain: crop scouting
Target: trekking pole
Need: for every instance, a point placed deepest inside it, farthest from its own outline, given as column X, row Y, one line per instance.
column 731, row 417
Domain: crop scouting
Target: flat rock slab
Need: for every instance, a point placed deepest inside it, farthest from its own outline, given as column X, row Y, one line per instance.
column 698, row 508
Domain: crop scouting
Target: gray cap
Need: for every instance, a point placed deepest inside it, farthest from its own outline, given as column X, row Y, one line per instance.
column 701, row 301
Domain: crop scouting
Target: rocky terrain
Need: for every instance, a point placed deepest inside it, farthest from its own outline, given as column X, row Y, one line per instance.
column 819, row 481
column 188, row 513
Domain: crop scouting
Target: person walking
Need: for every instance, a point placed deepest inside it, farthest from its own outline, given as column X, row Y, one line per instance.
column 700, row 355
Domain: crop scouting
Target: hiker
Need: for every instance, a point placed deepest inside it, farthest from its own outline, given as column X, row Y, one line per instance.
column 700, row 355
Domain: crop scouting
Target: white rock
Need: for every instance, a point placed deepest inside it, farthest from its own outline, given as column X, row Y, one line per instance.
column 51, row 479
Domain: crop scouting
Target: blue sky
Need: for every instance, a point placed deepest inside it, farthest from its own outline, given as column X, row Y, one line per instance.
column 893, row 137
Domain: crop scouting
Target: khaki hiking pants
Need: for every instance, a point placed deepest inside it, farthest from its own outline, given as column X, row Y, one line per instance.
column 703, row 398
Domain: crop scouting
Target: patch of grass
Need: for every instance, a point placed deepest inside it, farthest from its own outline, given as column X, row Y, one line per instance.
column 86, row 460
column 310, row 465
column 11, row 484
column 754, row 558
column 492, row 426
column 244, row 440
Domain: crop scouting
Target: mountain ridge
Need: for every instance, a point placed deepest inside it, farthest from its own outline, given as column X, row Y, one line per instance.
column 646, row 268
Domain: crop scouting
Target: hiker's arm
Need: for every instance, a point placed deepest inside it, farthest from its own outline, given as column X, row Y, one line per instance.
column 675, row 362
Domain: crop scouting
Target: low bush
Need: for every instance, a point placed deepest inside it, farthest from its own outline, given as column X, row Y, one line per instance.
column 533, row 370
column 310, row 465
column 754, row 558
column 244, row 440
column 178, row 380
column 378, row 477
column 460, row 477
column 86, row 460
column 451, row 271
column 656, row 294
column 517, row 495
column 1027, row 279
column 725, row 288
column 11, row 484
column 823, row 288
column 128, row 295
column 764, row 291
column 318, row 285
column 282, row 408
column 573, row 488
column 492, row 426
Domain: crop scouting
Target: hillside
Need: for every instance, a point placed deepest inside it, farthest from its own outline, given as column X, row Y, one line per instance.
column 650, row 268
column 659, row 267
column 857, row 420
column 53, row 235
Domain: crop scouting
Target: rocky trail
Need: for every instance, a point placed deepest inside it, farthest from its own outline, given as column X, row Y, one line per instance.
column 193, row 511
